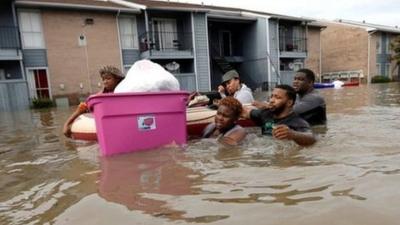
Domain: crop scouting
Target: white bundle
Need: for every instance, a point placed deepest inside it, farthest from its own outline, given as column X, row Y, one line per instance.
column 338, row 83
column 146, row 76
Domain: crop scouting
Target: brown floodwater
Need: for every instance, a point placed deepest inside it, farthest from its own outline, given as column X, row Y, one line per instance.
column 350, row 176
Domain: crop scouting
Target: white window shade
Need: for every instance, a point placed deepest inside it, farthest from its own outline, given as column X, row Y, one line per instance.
column 31, row 29
column 128, row 32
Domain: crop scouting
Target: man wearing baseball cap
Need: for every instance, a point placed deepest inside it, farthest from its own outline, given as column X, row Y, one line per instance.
column 232, row 86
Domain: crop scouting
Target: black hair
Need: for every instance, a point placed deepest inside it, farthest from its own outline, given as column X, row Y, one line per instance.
column 290, row 92
column 309, row 74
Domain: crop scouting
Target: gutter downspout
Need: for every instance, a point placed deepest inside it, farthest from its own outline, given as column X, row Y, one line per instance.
column 119, row 42
column 278, row 72
column 146, row 21
column 320, row 55
column 369, row 57
column 269, row 53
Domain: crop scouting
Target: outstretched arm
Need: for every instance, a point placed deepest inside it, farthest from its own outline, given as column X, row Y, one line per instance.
column 301, row 138
column 82, row 108
column 261, row 105
column 234, row 138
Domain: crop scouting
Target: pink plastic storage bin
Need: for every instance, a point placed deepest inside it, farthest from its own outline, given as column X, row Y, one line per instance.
column 127, row 122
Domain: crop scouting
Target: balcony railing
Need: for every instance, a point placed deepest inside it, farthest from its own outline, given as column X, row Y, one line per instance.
column 292, row 44
column 165, row 41
column 9, row 37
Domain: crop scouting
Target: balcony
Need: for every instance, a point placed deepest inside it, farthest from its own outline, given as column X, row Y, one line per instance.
column 293, row 47
column 9, row 43
column 9, row 37
column 166, row 45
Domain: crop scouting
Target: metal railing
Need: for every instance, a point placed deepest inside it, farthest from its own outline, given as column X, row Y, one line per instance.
column 349, row 75
column 9, row 37
column 165, row 41
column 292, row 44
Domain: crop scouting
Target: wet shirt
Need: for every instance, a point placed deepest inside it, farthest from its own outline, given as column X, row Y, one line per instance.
column 244, row 95
column 311, row 107
column 264, row 119
column 208, row 131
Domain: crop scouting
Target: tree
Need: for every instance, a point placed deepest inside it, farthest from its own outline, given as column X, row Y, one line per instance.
column 395, row 57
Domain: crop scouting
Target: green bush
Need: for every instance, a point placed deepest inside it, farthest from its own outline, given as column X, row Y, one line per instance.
column 39, row 103
column 380, row 79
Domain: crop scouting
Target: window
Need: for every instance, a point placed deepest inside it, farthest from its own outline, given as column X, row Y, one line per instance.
column 38, row 83
column 387, row 69
column 388, row 50
column 128, row 32
column 378, row 69
column 378, row 44
column 31, row 29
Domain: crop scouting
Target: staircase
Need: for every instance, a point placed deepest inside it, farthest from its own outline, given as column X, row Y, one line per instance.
column 220, row 60
column 223, row 65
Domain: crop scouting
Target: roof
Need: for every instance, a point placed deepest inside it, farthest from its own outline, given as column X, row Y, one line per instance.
column 106, row 5
column 370, row 26
column 171, row 5
column 137, row 5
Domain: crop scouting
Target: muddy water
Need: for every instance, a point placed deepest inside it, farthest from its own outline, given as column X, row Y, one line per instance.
column 351, row 176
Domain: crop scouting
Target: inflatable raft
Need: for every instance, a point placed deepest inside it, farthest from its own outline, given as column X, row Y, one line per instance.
column 323, row 85
column 339, row 84
column 197, row 118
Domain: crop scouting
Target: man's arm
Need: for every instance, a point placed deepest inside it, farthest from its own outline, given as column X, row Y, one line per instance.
column 307, row 103
column 282, row 132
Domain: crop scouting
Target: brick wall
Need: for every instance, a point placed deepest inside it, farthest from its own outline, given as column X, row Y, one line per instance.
column 313, row 50
column 345, row 48
column 71, row 64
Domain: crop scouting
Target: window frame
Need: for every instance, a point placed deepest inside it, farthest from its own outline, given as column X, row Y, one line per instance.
column 388, row 50
column 378, row 69
column 379, row 44
column 24, row 33
column 387, row 70
column 134, row 34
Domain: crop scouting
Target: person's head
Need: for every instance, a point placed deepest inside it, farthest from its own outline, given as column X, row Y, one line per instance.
column 231, row 81
column 303, row 81
column 282, row 98
column 111, row 77
column 229, row 111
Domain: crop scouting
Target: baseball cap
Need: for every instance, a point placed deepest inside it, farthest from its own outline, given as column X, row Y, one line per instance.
column 230, row 75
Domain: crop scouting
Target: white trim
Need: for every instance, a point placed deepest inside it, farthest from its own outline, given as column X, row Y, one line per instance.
column 74, row 6
column 128, row 4
column 194, row 55
column 27, row 69
column 208, row 54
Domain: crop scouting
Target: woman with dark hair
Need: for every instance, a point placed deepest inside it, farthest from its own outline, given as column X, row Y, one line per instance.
column 225, row 128
column 111, row 77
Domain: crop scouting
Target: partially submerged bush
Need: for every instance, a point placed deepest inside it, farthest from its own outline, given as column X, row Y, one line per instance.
column 380, row 79
column 39, row 103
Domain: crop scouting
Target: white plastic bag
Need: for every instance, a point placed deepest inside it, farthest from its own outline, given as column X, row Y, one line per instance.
column 146, row 76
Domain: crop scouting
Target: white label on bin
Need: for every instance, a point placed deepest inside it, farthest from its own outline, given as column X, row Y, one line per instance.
column 147, row 122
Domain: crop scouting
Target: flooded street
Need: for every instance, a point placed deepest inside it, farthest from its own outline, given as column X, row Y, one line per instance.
column 350, row 176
